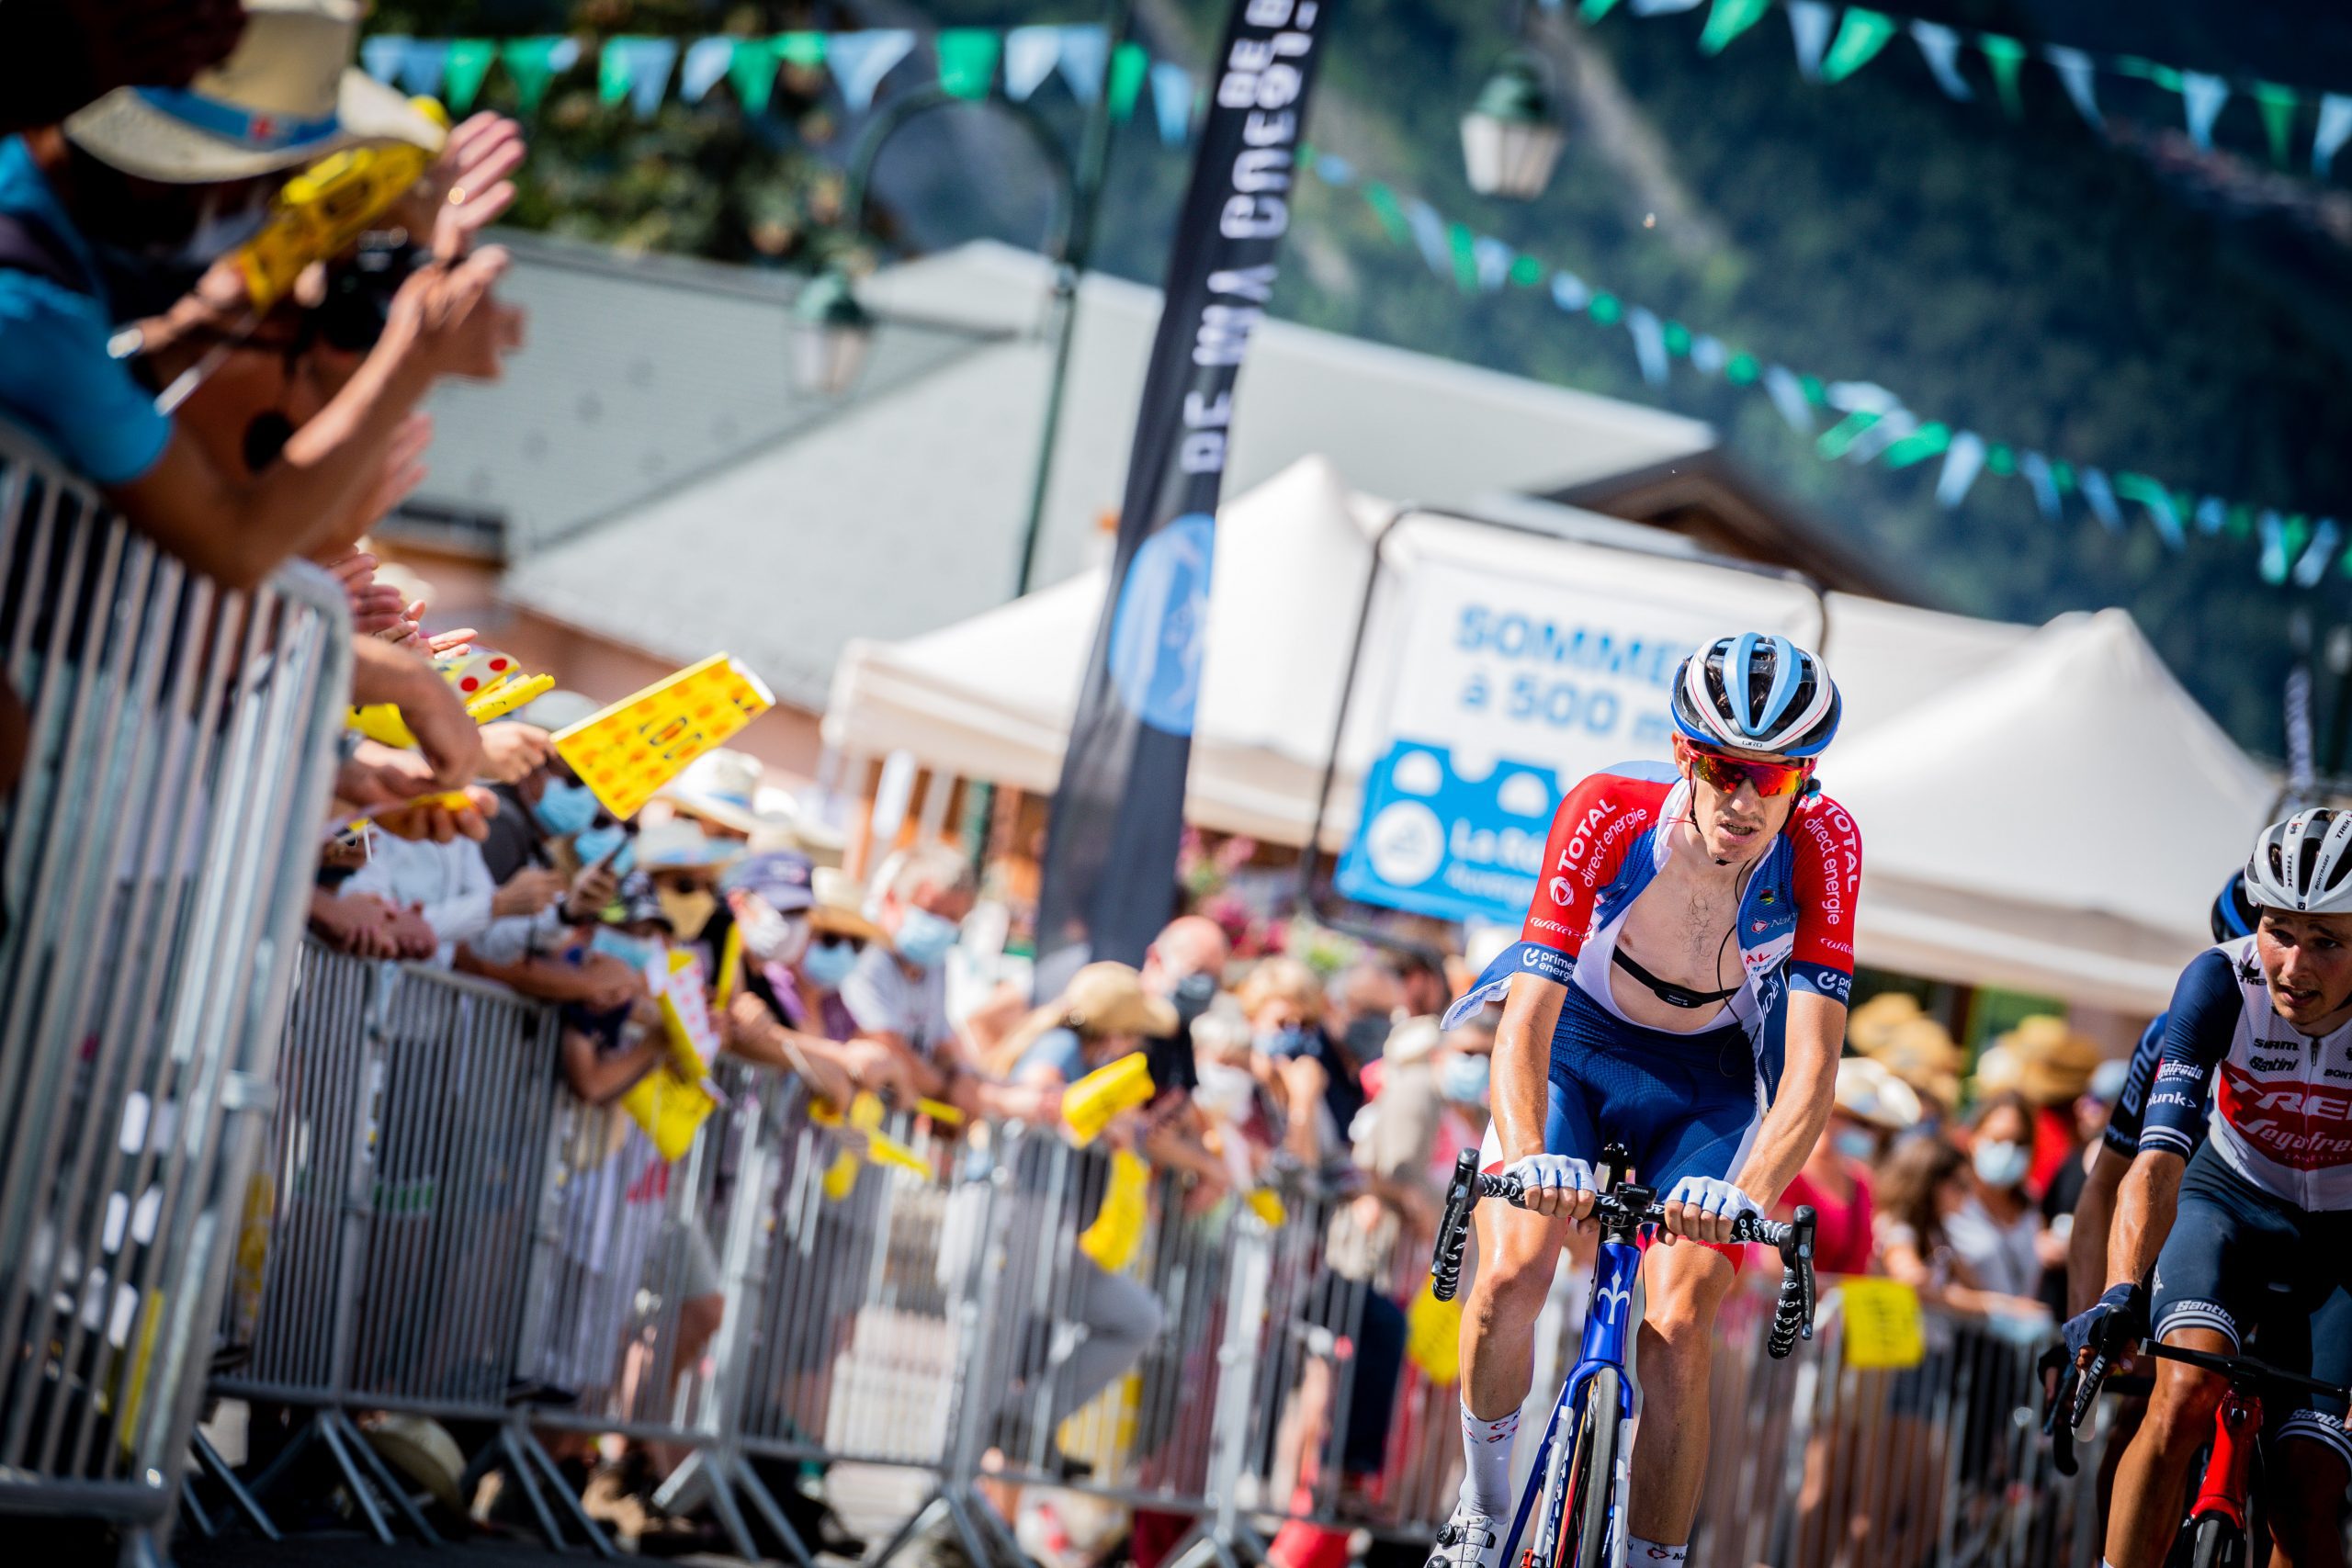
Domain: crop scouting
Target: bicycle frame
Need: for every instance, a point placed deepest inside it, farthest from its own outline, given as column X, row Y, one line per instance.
column 1616, row 1271
column 2228, row 1481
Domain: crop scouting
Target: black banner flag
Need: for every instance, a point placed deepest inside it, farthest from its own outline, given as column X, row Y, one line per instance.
column 1119, row 814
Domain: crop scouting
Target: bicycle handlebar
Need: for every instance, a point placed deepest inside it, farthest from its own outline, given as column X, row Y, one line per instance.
column 1791, row 1314
column 2242, row 1371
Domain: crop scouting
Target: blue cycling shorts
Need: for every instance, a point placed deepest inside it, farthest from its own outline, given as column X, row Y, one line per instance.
column 1681, row 1104
column 2241, row 1261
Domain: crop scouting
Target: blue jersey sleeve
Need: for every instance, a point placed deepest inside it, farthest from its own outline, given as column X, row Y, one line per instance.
column 2199, row 1027
column 2131, row 1108
column 57, row 380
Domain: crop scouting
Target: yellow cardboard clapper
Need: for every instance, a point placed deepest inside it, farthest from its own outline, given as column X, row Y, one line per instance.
column 631, row 749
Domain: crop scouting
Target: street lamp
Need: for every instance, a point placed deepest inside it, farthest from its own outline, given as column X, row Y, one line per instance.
column 1512, row 135
column 831, row 331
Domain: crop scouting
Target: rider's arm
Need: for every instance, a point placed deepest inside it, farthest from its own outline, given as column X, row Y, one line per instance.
column 1521, row 1090
column 2198, row 1026
column 1801, row 1110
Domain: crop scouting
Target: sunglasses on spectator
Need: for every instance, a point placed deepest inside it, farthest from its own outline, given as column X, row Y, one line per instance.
column 839, row 939
column 1727, row 774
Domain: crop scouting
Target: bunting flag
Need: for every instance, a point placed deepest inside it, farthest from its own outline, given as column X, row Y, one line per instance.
column 533, row 62
column 861, row 59
column 637, row 69
column 708, row 60
column 1085, row 56
column 469, row 61
column 751, row 71
column 1832, row 44
column 1030, row 56
column 427, row 61
column 1129, row 63
column 1172, row 102
column 967, row 61
column 1870, row 424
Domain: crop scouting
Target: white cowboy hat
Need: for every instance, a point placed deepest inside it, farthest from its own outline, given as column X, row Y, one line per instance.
column 286, row 96
column 723, row 786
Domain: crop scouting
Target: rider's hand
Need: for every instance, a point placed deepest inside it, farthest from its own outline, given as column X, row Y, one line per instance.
column 2109, row 1324
column 1703, row 1208
column 1554, row 1184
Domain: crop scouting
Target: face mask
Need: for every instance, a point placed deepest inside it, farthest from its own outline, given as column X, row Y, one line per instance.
column 1367, row 1038
column 565, row 807
column 2001, row 1164
column 638, row 952
column 597, row 842
column 1282, row 1043
column 769, row 937
column 1224, row 1091
column 688, row 912
column 1854, row 1144
column 1462, row 1078
column 923, row 938
column 828, row 964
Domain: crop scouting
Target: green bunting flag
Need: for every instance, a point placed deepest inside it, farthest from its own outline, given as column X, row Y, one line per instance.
column 967, row 60
column 469, row 61
column 2277, row 105
column 1860, row 38
column 533, row 62
column 752, row 72
column 2007, row 57
column 1727, row 20
column 806, row 50
column 1871, row 424
column 1130, row 63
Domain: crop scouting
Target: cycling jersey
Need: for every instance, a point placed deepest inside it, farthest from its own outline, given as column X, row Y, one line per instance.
column 2282, row 1115
column 2125, row 1118
column 1794, row 926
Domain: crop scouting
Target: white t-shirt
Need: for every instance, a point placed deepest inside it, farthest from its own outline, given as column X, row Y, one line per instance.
column 2001, row 1257
column 883, row 998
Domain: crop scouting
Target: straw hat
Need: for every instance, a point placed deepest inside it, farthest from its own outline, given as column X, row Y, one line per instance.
column 1109, row 999
column 2000, row 1070
column 2055, row 1063
column 679, row 844
column 840, row 906
column 1868, row 1092
column 723, row 787
column 286, row 96
column 421, row 1450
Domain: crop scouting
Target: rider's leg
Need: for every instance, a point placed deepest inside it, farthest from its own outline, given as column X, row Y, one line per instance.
column 2306, row 1530
column 2151, row 1482
column 1685, row 1284
column 1517, row 1255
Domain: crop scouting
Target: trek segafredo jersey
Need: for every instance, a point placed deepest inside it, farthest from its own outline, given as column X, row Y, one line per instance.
column 1795, row 927
column 2282, row 1100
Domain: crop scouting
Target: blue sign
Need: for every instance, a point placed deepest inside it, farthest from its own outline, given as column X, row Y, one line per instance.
column 1437, row 844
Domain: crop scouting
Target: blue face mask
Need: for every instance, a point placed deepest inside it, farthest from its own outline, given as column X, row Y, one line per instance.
column 565, row 809
column 1462, row 1078
column 637, row 951
column 923, row 938
column 1855, row 1144
column 1291, row 1040
column 826, row 964
column 597, row 842
column 2001, row 1163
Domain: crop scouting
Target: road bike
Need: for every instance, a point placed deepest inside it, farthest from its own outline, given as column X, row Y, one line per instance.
column 2218, row 1528
column 1576, row 1491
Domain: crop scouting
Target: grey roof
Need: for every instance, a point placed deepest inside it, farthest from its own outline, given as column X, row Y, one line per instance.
column 900, row 512
column 637, row 375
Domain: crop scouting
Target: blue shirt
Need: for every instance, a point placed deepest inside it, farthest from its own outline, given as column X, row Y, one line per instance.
column 56, row 378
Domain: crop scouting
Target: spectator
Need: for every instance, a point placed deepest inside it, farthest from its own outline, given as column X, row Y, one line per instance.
column 839, row 934
column 767, row 899
column 57, row 56
column 161, row 180
column 1422, row 980
column 1995, row 1229
column 685, row 864
column 897, row 992
column 2054, row 1066
column 1871, row 1105
column 1919, row 1187
column 1237, row 1118
column 1464, row 1065
column 448, row 887
column 1314, row 1079
column 1363, row 1004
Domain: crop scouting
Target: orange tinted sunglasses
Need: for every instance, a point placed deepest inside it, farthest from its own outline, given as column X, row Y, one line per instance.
column 1727, row 774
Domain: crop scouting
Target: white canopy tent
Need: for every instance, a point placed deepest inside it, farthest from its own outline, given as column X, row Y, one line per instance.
column 2042, row 810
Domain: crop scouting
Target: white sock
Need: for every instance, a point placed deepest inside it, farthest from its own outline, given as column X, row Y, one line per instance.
column 1638, row 1550
column 1486, row 1474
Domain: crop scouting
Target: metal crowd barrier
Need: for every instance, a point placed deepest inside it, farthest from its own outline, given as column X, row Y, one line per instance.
column 451, row 1234
column 154, row 866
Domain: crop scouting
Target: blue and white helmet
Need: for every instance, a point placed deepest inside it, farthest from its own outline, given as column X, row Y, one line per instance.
column 1756, row 692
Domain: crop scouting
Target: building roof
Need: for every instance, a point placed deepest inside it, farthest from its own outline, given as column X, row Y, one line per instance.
column 898, row 510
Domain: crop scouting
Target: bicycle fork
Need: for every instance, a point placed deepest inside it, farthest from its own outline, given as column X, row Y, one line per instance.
column 1607, row 1321
column 2228, row 1481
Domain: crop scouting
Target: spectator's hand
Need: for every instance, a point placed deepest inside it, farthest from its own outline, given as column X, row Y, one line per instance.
column 435, row 715
column 592, row 891
column 440, row 821
column 878, row 1067
column 411, row 933
column 511, row 750
column 444, row 313
column 527, row 891
column 746, row 1019
column 469, row 179
column 441, row 643
column 1205, row 1192
column 354, row 924
column 1038, row 1104
column 610, row 983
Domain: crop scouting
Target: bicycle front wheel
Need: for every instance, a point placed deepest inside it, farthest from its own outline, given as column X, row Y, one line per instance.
column 1593, row 1476
column 2213, row 1543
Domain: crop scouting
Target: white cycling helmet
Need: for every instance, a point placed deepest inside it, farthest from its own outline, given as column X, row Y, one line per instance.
column 2303, row 864
column 1756, row 692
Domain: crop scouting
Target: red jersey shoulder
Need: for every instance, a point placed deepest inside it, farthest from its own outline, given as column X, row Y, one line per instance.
column 1829, row 858
column 1595, row 823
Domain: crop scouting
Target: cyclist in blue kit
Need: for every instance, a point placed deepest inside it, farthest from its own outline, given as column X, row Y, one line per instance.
column 1679, row 986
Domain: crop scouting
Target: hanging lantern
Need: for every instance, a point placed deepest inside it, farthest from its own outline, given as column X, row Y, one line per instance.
column 1512, row 135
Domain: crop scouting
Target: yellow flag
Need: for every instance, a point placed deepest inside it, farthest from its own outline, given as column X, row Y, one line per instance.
column 1433, row 1336
column 1883, row 1325
column 628, row 750
column 1117, row 1230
